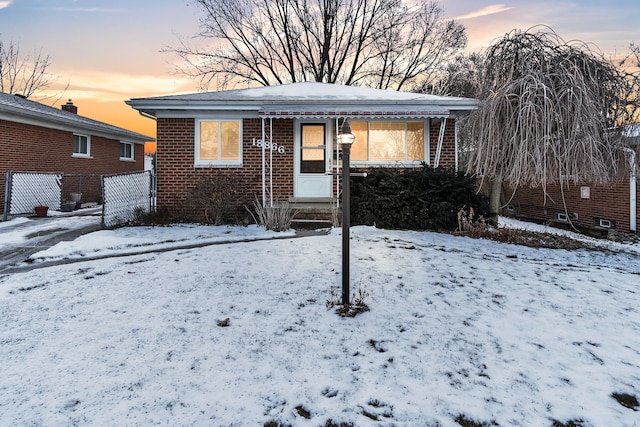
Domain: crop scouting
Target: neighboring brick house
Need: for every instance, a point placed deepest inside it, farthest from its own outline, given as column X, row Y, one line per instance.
column 37, row 138
column 239, row 134
column 597, row 209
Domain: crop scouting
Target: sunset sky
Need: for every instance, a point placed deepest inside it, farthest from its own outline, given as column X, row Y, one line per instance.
column 109, row 51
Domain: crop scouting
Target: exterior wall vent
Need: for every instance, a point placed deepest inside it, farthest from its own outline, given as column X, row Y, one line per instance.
column 605, row 223
column 561, row 216
column 585, row 192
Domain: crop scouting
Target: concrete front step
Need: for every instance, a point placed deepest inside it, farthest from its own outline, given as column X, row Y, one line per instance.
column 310, row 224
column 314, row 213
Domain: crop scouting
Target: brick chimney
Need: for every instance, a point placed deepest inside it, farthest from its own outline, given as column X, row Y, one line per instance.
column 70, row 107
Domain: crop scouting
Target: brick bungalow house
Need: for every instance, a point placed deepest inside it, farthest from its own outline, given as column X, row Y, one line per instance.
column 37, row 138
column 279, row 142
column 597, row 209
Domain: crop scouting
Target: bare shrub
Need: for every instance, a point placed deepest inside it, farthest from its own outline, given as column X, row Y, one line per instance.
column 467, row 224
column 215, row 197
column 277, row 217
column 358, row 302
column 336, row 215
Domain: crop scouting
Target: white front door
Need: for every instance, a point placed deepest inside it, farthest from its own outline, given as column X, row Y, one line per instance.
column 312, row 147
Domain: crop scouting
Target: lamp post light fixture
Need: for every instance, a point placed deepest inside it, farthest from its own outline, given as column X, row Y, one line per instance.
column 345, row 139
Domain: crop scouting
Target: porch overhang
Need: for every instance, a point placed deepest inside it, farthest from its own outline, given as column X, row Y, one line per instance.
column 278, row 113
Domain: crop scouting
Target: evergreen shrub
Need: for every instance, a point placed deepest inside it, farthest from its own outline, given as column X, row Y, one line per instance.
column 414, row 199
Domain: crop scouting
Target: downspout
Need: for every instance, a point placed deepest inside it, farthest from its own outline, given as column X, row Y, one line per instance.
column 436, row 161
column 633, row 194
column 455, row 140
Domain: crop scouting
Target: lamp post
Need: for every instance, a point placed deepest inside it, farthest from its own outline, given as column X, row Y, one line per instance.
column 345, row 139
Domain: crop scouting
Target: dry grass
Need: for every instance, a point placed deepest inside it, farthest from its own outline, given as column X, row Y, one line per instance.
column 277, row 217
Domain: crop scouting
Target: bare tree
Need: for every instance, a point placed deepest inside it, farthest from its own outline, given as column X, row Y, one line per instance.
column 630, row 65
column 24, row 75
column 550, row 110
column 460, row 76
column 385, row 44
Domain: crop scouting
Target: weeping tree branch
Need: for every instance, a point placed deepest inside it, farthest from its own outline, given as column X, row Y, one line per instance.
column 377, row 43
column 550, row 110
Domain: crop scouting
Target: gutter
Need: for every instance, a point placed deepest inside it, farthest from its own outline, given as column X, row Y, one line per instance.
column 70, row 124
column 633, row 194
column 147, row 115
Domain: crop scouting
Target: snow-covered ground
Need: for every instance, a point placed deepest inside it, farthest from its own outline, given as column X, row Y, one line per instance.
column 458, row 328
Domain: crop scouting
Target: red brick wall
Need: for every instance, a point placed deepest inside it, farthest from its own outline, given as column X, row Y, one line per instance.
column 448, row 152
column 177, row 176
column 37, row 149
column 605, row 202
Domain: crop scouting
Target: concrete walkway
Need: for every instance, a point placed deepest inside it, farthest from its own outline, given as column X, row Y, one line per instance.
column 15, row 258
column 46, row 232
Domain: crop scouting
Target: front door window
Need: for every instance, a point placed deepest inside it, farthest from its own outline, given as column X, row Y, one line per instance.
column 312, row 148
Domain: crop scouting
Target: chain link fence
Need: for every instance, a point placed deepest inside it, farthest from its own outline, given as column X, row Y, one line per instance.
column 26, row 190
column 125, row 197
column 88, row 186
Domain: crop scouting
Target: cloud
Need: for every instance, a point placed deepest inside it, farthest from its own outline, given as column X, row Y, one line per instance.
column 5, row 3
column 87, row 9
column 485, row 11
column 106, row 86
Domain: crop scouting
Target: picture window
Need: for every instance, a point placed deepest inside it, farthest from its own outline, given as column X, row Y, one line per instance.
column 391, row 141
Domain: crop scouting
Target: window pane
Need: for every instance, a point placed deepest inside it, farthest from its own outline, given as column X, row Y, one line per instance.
column 386, row 141
column 415, row 141
column 230, row 140
column 208, row 140
column 76, row 143
column 359, row 146
column 80, row 144
column 312, row 142
column 126, row 150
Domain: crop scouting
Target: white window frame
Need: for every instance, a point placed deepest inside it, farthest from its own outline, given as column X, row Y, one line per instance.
column 133, row 151
column 399, row 163
column 217, row 163
column 79, row 154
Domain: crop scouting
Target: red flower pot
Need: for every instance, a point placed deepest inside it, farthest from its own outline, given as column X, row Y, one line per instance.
column 41, row 210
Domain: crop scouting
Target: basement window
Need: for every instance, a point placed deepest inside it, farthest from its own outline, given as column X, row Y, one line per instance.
column 605, row 223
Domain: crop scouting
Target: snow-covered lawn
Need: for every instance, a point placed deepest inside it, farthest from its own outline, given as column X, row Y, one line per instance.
column 457, row 329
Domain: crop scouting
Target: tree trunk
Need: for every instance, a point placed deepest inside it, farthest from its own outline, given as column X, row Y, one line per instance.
column 494, row 199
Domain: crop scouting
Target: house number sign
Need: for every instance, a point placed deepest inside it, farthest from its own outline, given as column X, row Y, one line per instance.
column 277, row 148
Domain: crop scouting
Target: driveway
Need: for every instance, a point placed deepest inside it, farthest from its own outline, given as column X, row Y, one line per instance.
column 22, row 237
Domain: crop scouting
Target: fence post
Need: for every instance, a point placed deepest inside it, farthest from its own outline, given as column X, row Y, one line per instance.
column 104, row 201
column 7, row 196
